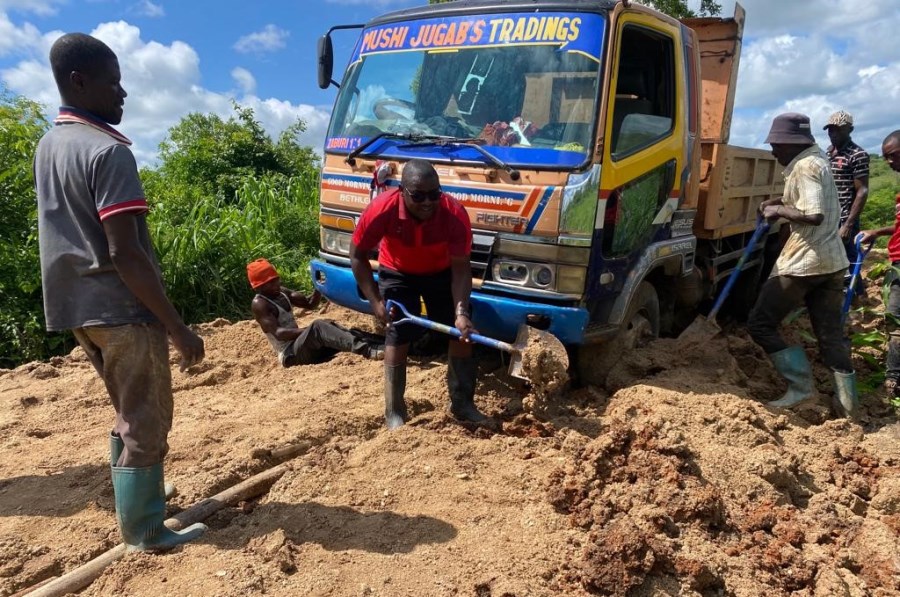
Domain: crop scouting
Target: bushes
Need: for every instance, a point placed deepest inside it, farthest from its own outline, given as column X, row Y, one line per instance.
column 204, row 255
column 224, row 194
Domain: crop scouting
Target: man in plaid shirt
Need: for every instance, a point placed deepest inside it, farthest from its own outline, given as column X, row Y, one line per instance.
column 850, row 168
column 809, row 270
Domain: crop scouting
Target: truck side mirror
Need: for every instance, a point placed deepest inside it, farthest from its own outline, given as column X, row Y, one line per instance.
column 326, row 62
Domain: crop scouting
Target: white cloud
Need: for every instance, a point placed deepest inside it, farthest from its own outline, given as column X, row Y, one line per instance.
column 146, row 8
column 244, row 79
column 40, row 7
column 271, row 38
column 163, row 85
column 817, row 59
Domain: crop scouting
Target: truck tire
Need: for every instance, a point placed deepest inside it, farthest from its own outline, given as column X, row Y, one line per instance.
column 640, row 326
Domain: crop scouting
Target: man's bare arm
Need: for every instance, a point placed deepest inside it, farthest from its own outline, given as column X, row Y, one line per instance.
column 137, row 271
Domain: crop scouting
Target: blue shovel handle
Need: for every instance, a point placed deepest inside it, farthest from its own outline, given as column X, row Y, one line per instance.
column 762, row 226
column 857, row 267
column 446, row 329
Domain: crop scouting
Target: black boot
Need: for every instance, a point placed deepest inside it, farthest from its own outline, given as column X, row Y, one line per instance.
column 461, row 374
column 394, row 388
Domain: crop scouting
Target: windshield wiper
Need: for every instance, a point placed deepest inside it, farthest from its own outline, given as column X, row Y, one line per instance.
column 413, row 137
column 473, row 142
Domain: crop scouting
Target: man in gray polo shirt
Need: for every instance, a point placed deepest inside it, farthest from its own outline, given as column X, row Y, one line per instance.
column 101, row 279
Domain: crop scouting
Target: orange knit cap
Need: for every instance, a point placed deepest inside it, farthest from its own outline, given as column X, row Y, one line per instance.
column 259, row 272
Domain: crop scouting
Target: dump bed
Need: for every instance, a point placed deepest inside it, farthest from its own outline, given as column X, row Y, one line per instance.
column 733, row 180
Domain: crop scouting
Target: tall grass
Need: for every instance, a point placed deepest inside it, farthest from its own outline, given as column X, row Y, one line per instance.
column 204, row 253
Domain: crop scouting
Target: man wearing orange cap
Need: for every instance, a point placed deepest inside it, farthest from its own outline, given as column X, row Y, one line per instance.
column 273, row 309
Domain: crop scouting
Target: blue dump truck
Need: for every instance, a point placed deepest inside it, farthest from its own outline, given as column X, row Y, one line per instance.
column 588, row 141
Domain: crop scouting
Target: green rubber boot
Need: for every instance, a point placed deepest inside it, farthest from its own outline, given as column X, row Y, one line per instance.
column 846, row 401
column 141, row 508
column 116, row 445
column 794, row 366
column 395, row 414
column 461, row 377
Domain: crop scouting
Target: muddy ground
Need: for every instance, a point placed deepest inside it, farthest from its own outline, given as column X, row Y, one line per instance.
column 676, row 480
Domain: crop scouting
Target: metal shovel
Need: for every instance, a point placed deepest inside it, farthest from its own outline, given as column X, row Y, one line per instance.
column 854, row 277
column 706, row 328
column 526, row 333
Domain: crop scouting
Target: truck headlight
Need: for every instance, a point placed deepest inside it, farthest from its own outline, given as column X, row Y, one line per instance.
column 522, row 273
column 334, row 241
column 542, row 275
column 511, row 272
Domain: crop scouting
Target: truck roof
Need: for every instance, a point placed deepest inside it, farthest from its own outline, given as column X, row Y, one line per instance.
column 489, row 6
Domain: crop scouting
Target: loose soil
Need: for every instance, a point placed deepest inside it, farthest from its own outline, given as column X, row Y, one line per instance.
column 545, row 363
column 676, row 479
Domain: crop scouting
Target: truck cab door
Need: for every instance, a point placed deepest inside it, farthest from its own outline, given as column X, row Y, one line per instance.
column 644, row 153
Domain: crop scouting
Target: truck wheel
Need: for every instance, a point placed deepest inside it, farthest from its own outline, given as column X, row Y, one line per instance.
column 640, row 326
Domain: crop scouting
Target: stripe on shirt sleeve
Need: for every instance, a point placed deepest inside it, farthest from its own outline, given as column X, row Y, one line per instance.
column 133, row 206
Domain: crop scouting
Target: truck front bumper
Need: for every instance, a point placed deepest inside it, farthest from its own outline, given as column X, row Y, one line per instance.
column 494, row 316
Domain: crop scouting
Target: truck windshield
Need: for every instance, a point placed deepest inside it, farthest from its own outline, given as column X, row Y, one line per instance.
column 524, row 84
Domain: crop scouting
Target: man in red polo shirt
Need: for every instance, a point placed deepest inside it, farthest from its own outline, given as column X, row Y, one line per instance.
column 425, row 240
column 890, row 148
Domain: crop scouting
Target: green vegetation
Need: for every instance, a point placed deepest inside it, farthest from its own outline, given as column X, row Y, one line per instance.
column 224, row 193
column 22, row 335
column 884, row 184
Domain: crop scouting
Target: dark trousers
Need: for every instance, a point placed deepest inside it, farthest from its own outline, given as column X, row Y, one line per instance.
column 823, row 296
column 133, row 361
column 322, row 340
column 411, row 290
column 892, row 313
column 850, row 243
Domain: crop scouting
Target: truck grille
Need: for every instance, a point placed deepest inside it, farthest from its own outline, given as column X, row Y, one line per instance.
column 482, row 243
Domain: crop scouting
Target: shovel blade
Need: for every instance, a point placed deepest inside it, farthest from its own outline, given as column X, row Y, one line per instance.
column 548, row 343
column 700, row 330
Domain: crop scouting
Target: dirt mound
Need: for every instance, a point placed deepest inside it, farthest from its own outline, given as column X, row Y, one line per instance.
column 722, row 494
column 675, row 480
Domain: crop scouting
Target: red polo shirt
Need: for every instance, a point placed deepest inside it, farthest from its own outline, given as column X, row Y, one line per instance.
column 408, row 245
column 894, row 243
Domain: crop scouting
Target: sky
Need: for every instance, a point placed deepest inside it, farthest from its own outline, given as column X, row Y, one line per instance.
column 810, row 56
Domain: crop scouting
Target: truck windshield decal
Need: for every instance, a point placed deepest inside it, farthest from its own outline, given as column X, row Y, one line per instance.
column 581, row 33
column 524, row 86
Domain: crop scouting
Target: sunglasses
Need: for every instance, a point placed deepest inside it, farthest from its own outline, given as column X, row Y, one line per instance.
column 422, row 196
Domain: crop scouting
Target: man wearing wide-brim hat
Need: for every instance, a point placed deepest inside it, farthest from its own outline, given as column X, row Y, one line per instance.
column 810, row 269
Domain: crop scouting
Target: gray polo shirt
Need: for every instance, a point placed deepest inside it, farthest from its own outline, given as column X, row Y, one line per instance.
column 84, row 173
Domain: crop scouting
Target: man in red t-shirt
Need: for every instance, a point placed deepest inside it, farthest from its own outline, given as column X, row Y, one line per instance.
column 890, row 149
column 425, row 241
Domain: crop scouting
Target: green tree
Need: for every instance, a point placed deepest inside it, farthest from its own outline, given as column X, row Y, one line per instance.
column 226, row 193
column 22, row 335
column 206, row 155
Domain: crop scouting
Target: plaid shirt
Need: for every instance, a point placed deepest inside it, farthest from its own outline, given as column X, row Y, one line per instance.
column 848, row 164
column 812, row 250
